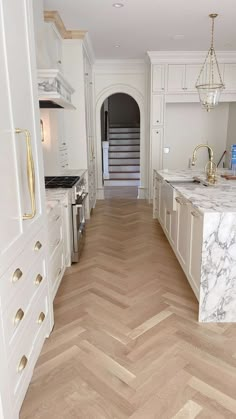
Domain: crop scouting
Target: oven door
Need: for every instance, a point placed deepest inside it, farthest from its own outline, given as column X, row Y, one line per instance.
column 78, row 227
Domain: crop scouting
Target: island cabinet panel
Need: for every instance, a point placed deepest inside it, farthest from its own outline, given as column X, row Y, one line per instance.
column 182, row 242
column 195, row 248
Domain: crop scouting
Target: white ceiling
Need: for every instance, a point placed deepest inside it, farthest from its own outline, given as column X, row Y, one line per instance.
column 149, row 25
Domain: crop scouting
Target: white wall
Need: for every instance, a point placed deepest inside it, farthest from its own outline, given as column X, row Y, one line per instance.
column 188, row 125
column 231, row 135
column 75, row 120
column 112, row 77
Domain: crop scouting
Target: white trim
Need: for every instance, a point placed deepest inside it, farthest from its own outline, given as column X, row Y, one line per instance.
column 88, row 47
column 185, row 57
column 142, row 193
column 138, row 97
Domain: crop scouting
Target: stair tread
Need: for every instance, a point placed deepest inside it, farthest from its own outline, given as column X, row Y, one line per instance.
column 123, row 178
column 130, row 171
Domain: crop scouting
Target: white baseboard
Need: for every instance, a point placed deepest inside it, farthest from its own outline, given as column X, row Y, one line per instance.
column 100, row 193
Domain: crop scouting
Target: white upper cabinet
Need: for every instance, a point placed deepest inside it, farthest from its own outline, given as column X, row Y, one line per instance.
column 230, row 76
column 158, row 77
column 176, row 77
column 157, row 109
column 192, row 72
column 53, row 45
column 182, row 78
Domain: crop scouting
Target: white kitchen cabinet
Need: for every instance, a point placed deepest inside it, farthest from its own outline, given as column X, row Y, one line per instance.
column 230, row 76
column 157, row 145
column 183, row 77
column 158, row 77
column 88, row 83
column 182, row 241
column 192, row 72
column 195, row 248
column 54, row 45
column 22, row 223
column 157, row 109
column 176, row 77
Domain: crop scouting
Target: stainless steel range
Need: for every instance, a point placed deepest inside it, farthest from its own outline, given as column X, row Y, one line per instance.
column 78, row 200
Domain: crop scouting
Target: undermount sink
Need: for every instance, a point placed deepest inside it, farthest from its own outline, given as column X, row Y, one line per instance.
column 186, row 182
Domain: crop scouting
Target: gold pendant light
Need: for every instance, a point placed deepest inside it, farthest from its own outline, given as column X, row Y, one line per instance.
column 209, row 83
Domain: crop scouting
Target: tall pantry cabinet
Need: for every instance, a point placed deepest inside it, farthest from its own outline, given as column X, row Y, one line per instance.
column 79, row 123
column 26, row 317
column 89, row 114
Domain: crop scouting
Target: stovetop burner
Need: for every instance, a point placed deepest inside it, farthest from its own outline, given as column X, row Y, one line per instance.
column 60, row 181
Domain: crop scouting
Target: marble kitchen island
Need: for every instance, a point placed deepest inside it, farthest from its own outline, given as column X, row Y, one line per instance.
column 200, row 224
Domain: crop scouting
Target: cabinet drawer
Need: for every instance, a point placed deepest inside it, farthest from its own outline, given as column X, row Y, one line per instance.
column 56, row 269
column 55, row 236
column 22, row 361
column 16, row 276
column 19, row 311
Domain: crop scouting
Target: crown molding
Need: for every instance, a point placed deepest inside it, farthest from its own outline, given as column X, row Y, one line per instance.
column 119, row 66
column 159, row 57
column 54, row 17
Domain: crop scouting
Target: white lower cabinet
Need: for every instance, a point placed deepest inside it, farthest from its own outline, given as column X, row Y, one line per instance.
column 183, row 226
column 56, row 246
column 195, row 249
column 182, row 243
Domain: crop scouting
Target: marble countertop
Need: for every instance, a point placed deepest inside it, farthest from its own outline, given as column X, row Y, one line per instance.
column 220, row 197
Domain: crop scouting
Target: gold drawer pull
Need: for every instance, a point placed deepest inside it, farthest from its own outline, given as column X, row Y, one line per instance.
column 30, row 173
column 22, row 364
column 59, row 272
column 195, row 214
column 17, row 275
column 18, row 316
column 179, row 200
column 41, row 318
column 38, row 279
column 37, row 246
column 56, row 217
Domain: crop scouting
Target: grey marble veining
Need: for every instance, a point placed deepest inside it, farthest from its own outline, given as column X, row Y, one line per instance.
column 218, row 270
column 217, row 301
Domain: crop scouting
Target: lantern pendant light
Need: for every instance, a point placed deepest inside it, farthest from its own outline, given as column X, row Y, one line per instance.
column 209, row 83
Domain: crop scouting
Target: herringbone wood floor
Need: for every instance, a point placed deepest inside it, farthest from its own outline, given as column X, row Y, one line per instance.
column 126, row 342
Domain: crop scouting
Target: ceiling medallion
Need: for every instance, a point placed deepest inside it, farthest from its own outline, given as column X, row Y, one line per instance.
column 209, row 83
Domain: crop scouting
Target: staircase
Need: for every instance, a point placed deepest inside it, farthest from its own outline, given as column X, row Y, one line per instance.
column 124, row 157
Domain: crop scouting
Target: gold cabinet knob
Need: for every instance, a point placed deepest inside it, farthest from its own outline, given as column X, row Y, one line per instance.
column 18, row 316
column 38, row 279
column 17, row 275
column 22, row 364
column 41, row 318
column 37, row 246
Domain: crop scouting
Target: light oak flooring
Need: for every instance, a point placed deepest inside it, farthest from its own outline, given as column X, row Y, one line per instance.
column 126, row 342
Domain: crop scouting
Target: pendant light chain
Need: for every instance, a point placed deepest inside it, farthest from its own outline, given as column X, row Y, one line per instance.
column 210, row 85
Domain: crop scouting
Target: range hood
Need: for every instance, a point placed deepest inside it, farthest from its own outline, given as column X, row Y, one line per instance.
column 54, row 91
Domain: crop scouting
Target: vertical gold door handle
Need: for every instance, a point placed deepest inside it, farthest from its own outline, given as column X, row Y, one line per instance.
column 30, row 173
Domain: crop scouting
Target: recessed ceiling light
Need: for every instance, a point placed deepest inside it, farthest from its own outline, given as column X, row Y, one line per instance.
column 117, row 46
column 118, row 5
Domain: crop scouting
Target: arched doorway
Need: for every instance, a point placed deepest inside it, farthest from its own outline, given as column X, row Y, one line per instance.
column 139, row 100
column 120, row 135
